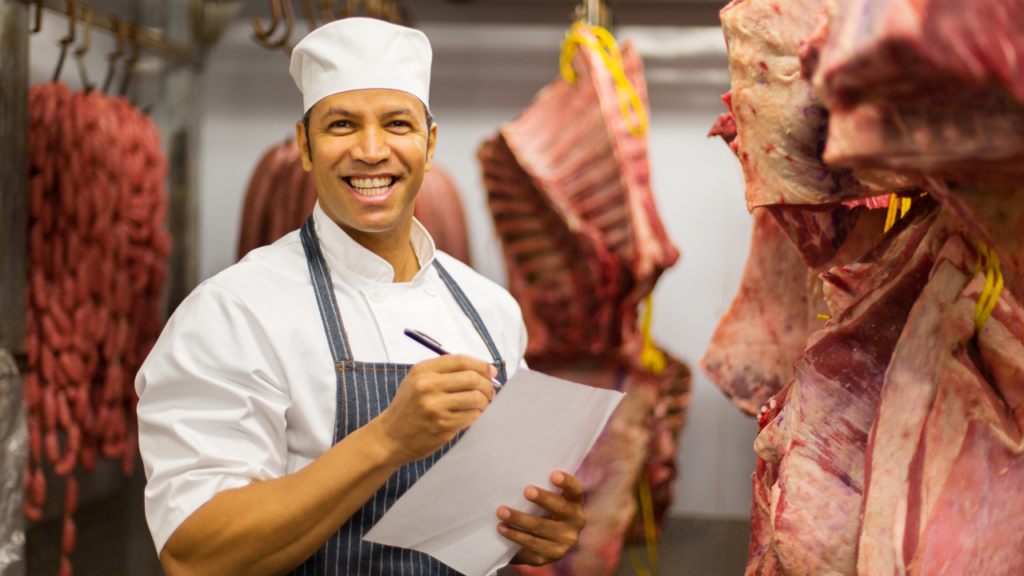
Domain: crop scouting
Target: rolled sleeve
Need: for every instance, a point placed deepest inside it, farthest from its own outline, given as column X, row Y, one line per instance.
column 212, row 408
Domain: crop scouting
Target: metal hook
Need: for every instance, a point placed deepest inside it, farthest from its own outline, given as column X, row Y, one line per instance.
column 289, row 20
column 81, row 50
column 264, row 35
column 115, row 55
column 327, row 10
column 307, row 10
column 39, row 17
column 129, row 64
column 67, row 40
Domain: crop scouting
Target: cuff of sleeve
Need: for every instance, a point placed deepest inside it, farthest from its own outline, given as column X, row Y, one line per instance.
column 163, row 523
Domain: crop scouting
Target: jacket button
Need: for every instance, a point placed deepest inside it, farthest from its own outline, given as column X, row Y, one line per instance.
column 377, row 296
column 430, row 291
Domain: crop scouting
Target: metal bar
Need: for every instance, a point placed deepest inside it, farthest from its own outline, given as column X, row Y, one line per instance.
column 149, row 39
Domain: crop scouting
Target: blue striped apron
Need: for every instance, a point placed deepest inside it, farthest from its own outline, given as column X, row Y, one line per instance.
column 364, row 390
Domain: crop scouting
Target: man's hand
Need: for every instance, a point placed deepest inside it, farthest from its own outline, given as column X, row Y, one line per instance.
column 438, row 398
column 545, row 540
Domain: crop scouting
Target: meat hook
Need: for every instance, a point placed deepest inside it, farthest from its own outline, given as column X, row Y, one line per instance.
column 307, row 10
column 327, row 10
column 263, row 36
column 81, row 50
column 289, row 20
column 39, row 17
column 129, row 64
column 67, row 40
column 115, row 55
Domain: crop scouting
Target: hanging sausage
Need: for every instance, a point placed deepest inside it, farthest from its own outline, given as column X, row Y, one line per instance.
column 96, row 264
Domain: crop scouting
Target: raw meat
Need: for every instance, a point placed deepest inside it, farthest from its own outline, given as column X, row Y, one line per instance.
column 819, row 437
column 573, row 208
column 780, row 125
column 938, row 385
column 816, row 232
column 568, row 186
column 990, row 214
column 758, row 339
column 931, row 86
column 642, row 434
column 282, row 194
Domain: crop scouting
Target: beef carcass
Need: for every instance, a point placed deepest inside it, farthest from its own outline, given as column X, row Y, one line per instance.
column 574, row 199
column 931, row 86
column 819, row 436
column 281, row 195
column 941, row 384
column 780, row 125
column 568, row 186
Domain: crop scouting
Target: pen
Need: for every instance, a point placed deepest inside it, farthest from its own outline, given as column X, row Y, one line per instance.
column 435, row 347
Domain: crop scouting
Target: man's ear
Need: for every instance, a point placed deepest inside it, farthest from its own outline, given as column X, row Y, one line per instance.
column 431, row 143
column 302, row 139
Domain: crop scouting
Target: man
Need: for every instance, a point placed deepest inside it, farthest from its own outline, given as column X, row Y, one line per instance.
column 283, row 410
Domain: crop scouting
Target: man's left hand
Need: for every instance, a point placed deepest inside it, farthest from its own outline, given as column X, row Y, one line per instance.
column 545, row 540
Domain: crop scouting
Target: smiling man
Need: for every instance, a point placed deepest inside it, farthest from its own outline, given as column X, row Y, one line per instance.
column 282, row 410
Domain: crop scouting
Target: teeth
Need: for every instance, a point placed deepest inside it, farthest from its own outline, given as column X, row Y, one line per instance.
column 371, row 186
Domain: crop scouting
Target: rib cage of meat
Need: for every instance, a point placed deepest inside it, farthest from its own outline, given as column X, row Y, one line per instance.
column 281, row 195
column 96, row 264
column 569, row 189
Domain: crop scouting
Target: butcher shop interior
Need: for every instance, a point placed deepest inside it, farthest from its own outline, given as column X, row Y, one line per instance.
column 790, row 233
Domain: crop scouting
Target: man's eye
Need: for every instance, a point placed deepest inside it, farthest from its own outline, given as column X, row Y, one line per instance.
column 400, row 123
column 340, row 124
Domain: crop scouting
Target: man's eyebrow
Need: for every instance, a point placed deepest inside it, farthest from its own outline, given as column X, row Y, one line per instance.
column 399, row 112
column 338, row 112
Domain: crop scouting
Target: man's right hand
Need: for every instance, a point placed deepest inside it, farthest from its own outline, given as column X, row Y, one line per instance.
column 438, row 398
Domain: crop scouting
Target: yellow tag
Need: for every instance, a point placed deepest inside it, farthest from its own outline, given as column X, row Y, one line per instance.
column 600, row 40
column 989, row 260
column 646, row 510
column 652, row 359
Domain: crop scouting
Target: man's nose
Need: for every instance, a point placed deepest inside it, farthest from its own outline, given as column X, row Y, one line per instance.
column 372, row 147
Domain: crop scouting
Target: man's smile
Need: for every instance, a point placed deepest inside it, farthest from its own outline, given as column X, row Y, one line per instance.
column 367, row 187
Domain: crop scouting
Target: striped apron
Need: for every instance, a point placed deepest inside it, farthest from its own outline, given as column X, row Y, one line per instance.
column 364, row 390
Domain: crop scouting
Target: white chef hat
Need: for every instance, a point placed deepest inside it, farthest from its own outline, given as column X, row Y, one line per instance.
column 360, row 54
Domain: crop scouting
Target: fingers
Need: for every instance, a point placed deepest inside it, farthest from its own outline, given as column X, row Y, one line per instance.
column 457, row 363
column 545, row 540
column 572, row 487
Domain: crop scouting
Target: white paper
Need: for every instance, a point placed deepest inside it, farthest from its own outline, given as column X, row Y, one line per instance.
column 536, row 425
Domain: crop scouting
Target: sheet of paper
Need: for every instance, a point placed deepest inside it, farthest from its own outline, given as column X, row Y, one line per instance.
column 536, row 425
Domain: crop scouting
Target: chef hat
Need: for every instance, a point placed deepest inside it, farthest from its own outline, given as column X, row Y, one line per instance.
column 359, row 54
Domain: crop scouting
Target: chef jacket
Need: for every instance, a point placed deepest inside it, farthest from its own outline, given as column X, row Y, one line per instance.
column 241, row 384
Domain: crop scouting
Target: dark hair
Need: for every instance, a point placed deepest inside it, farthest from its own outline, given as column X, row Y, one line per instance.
column 309, row 143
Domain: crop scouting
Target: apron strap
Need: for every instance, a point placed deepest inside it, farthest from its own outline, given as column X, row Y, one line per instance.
column 470, row 311
column 328, row 303
column 323, row 286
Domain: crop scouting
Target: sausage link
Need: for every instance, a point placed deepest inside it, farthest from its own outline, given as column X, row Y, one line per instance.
column 69, row 537
column 71, row 496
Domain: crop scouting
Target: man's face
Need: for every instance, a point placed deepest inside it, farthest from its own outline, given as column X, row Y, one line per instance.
column 370, row 150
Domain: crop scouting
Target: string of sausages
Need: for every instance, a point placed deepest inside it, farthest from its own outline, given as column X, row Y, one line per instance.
column 96, row 262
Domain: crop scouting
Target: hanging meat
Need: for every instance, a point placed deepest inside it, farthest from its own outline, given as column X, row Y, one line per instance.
column 896, row 444
column 282, row 194
column 96, row 265
column 568, row 185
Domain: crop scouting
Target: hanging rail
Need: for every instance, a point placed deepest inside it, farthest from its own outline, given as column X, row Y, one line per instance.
column 147, row 39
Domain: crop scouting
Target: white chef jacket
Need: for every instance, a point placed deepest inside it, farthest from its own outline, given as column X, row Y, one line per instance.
column 241, row 385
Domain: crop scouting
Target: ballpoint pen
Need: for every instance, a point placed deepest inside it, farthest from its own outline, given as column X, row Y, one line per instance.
column 435, row 346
